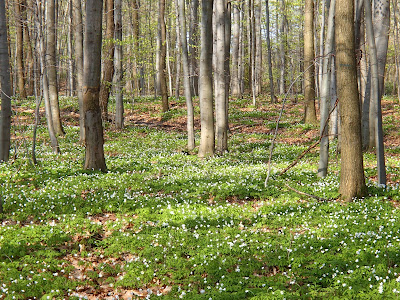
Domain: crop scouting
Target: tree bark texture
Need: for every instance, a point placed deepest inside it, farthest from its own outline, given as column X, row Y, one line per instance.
column 269, row 55
column 51, row 62
column 221, row 125
column 186, row 74
column 352, row 181
column 309, row 80
column 108, row 63
column 119, row 103
column 258, row 47
column 193, row 42
column 162, row 60
column 6, row 91
column 207, row 141
column 78, row 48
column 94, row 156
column 19, row 48
column 235, row 84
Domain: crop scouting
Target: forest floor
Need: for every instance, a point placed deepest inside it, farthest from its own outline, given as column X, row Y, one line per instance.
column 163, row 223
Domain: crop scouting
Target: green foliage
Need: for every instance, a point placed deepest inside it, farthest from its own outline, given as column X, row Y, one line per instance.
column 208, row 228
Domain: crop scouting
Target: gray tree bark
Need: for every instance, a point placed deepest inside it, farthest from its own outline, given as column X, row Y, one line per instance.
column 162, row 61
column 235, row 85
column 119, row 103
column 269, row 55
column 19, row 49
column 376, row 91
column 6, row 91
column 207, row 141
column 186, row 75
column 94, row 155
column 352, row 181
column 221, row 129
column 51, row 62
column 78, row 48
column 193, row 42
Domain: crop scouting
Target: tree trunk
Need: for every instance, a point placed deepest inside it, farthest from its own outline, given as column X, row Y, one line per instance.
column 6, row 92
column 70, row 52
column 221, row 126
column 282, row 48
column 29, row 52
column 52, row 66
column 352, row 182
column 19, row 49
column 108, row 63
column 40, row 20
column 186, row 74
column 138, row 83
column 163, row 52
column 269, row 56
column 94, row 156
column 178, row 54
column 325, row 93
column 193, row 42
column 235, row 86
column 78, row 48
column 309, row 80
column 119, row 103
column 258, row 47
column 207, row 142
column 376, row 91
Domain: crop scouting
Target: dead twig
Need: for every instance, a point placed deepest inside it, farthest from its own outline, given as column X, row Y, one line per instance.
column 308, row 195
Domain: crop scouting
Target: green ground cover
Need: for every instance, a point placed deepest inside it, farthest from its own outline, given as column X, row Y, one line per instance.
column 162, row 223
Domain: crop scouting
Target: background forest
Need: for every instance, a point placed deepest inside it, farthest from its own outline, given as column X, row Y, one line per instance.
column 199, row 149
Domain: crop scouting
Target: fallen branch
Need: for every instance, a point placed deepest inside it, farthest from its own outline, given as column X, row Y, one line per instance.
column 306, row 194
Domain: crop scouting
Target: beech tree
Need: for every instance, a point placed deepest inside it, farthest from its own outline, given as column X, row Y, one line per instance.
column 18, row 5
column 162, row 57
column 94, row 140
column 119, row 103
column 5, row 90
column 207, row 139
column 352, row 181
column 108, row 63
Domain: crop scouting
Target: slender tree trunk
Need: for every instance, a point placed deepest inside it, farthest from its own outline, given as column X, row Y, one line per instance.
column 235, row 86
column 321, row 45
column 138, row 82
column 352, row 181
column 193, row 42
column 108, row 63
column 207, row 142
column 309, row 81
column 94, row 156
column 51, row 62
column 221, row 128
column 325, row 92
column 186, row 75
column 39, row 20
column 19, row 49
column 29, row 52
column 228, row 34
column 282, row 48
column 119, row 103
column 258, row 46
column 269, row 56
column 78, row 49
column 375, row 94
column 6, row 92
column 70, row 51
column 163, row 50
column 178, row 54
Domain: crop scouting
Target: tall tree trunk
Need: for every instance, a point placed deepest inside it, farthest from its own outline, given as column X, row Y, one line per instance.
column 235, row 85
column 352, row 181
column 70, row 51
column 282, row 48
column 221, row 125
column 186, row 75
column 6, row 92
column 258, row 47
column 51, row 62
column 163, row 51
column 376, row 91
column 40, row 21
column 29, row 52
column 78, row 48
column 20, row 48
column 325, row 92
column 108, row 64
column 269, row 56
column 310, row 116
column 94, row 155
column 228, row 34
column 138, row 83
column 193, row 42
column 119, row 103
column 178, row 54
column 207, row 141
